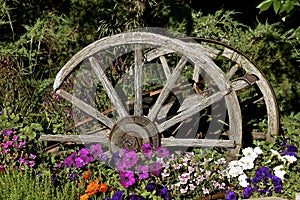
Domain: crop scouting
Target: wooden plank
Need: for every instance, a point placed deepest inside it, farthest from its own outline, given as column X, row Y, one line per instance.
column 191, row 100
column 165, row 65
column 78, row 139
column 111, row 92
column 232, row 71
column 196, row 73
column 197, row 142
column 138, row 81
column 166, row 89
column 265, row 88
column 93, row 112
column 192, row 109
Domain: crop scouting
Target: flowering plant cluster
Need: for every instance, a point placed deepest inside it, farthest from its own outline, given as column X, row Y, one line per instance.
column 261, row 173
column 12, row 151
column 192, row 177
column 128, row 174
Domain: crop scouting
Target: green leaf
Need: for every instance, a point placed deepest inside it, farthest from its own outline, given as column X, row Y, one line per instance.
column 265, row 5
column 276, row 5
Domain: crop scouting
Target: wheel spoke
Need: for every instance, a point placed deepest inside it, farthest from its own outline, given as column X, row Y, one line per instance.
column 111, row 92
column 232, row 71
column 165, row 91
column 86, row 108
column 166, row 68
column 192, row 109
column 138, row 81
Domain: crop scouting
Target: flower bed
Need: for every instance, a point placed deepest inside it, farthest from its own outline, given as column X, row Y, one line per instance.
column 263, row 170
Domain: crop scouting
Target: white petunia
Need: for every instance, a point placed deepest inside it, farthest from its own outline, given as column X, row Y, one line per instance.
column 235, row 171
column 243, row 180
column 277, row 168
column 247, row 163
column 234, row 163
column 280, row 174
column 249, row 152
column 257, row 150
column 290, row 159
column 274, row 152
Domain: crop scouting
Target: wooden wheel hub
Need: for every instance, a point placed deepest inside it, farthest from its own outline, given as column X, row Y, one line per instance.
column 132, row 132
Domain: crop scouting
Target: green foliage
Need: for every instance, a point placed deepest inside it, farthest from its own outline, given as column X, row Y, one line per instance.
column 287, row 10
column 26, row 185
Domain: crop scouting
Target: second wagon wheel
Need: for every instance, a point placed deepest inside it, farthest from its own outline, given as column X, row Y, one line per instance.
column 123, row 100
column 256, row 95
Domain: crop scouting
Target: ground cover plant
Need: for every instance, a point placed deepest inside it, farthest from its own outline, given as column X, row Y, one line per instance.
column 39, row 39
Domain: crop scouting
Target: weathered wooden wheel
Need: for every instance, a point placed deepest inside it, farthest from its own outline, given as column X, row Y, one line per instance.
column 242, row 73
column 151, row 88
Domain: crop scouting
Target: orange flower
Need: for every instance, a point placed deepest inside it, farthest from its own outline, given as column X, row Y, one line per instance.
column 84, row 197
column 92, row 187
column 87, row 174
column 103, row 187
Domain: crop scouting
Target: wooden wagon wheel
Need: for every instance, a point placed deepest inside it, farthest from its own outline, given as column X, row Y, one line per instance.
column 129, row 122
column 243, row 73
column 244, row 69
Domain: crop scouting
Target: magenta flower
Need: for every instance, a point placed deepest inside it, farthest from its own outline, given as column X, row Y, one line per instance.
column 69, row 161
column 21, row 144
column 147, row 150
column 5, row 145
column 127, row 179
column 155, row 168
column 96, row 150
column 130, row 158
column 32, row 156
column 15, row 138
column 22, row 160
column 31, row 163
column 79, row 162
column 143, row 172
column 121, row 166
column 162, row 152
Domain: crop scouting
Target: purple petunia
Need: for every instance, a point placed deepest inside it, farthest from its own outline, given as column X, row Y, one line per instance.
column 136, row 197
column 262, row 173
column 69, row 161
column 248, row 191
column 147, row 150
column 118, row 195
column 164, row 193
column 162, row 152
column 143, row 172
column 151, row 187
column 127, row 179
column 276, row 180
column 231, row 195
column 130, row 158
column 96, row 150
column 155, row 168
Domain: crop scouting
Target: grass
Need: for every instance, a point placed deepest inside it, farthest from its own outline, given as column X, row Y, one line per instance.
column 16, row 185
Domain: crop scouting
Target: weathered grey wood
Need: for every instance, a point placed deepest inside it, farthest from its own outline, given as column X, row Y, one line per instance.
column 138, row 81
column 192, row 109
column 86, row 108
column 265, row 88
column 196, row 57
column 78, row 139
column 197, row 142
column 111, row 92
column 232, row 71
column 192, row 100
column 165, row 65
column 196, row 73
column 200, row 49
column 166, row 89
